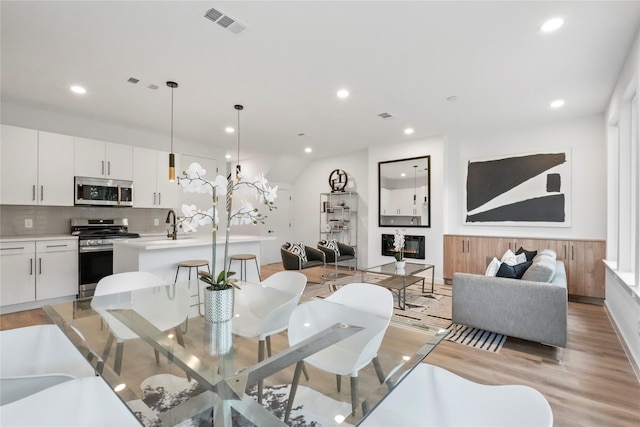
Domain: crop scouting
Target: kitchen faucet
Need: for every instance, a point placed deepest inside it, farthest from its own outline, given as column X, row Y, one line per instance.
column 173, row 234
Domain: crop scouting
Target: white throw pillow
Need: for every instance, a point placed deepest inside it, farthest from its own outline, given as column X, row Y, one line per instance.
column 493, row 267
column 520, row 258
column 298, row 249
column 510, row 258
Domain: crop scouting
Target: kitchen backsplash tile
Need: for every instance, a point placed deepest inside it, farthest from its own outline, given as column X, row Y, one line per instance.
column 52, row 220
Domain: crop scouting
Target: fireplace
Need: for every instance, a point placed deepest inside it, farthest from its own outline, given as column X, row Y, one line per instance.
column 413, row 246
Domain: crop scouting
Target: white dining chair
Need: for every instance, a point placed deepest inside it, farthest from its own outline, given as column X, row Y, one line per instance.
column 33, row 358
column 78, row 402
column 277, row 319
column 349, row 356
column 433, row 396
column 164, row 317
column 260, row 313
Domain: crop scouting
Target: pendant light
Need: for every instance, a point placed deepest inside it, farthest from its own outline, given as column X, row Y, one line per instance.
column 172, row 157
column 239, row 108
column 415, row 183
column 426, row 187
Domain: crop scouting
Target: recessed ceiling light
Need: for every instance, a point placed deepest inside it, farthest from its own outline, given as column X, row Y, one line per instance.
column 557, row 103
column 343, row 93
column 78, row 89
column 229, row 129
column 552, row 25
column 408, row 131
column 228, row 156
column 120, row 387
column 453, row 98
column 308, row 150
column 403, row 174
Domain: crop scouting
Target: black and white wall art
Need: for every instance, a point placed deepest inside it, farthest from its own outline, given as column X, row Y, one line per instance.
column 529, row 189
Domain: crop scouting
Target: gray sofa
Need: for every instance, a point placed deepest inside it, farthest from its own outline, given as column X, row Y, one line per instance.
column 529, row 308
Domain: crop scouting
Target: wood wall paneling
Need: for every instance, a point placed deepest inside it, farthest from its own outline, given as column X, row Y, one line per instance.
column 582, row 258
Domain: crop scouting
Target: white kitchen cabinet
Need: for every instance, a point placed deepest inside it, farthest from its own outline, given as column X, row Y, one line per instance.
column 37, row 167
column 385, row 200
column 100, row 159
column 144, row 178
column 17, row 272
column 402, row 202
column 38, row 270
column 56, row 268
column 151, row 185
column 55, row 169
column 19, row 165
column 167, row 190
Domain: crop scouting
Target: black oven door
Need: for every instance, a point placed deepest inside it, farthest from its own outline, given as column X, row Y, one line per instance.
column 94, row 264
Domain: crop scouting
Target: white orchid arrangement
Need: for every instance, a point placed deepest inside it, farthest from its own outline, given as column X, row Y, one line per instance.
column 193, row 181
column 398, row 244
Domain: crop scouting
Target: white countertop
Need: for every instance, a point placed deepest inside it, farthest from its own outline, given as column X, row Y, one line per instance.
column 37, row 238
column 154, row 243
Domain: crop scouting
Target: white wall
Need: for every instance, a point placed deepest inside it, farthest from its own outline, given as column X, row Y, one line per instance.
column 35, row 118
column 315, row 180
column 251, row 168
column 433, row 147
column 585, row 137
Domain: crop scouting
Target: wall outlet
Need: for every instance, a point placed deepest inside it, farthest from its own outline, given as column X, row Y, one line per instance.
column 156, row 221
column 28, row 223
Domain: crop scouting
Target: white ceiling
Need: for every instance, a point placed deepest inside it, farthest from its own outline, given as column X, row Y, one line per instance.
column 404, row 58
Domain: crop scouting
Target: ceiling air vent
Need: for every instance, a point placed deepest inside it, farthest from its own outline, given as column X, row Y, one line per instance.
column 135, row 81
column 225, row 21
column 385, row 116
column 213, row 14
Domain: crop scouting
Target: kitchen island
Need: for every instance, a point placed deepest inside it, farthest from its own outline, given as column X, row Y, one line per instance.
column 161, row 256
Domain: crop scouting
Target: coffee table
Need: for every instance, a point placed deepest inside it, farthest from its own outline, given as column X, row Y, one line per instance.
column 398, row 280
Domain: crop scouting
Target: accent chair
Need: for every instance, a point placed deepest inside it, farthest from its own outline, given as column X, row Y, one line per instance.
column 298, row 256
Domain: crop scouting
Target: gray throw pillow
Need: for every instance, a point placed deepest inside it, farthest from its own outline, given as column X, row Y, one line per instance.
column 542, row 270
column 549, row 253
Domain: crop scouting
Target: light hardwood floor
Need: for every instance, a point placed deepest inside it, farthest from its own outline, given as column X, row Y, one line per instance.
column 590, row 383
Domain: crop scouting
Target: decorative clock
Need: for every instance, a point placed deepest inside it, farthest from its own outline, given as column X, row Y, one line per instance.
column 338, row 180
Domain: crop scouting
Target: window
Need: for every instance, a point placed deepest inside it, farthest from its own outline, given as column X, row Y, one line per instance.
column 628, row 183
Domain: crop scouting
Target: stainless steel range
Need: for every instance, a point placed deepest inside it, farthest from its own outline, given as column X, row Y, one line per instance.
column 95, row 249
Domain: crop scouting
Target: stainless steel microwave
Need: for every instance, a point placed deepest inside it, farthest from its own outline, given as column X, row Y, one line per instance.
column 103, row 192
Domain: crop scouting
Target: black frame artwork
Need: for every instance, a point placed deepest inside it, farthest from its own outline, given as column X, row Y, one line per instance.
column 416, row 183
column 531, row 189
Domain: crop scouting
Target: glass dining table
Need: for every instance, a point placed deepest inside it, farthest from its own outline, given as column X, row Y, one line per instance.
column 207, row 374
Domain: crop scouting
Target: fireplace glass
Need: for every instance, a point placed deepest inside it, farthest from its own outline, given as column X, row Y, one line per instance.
column 413, row 246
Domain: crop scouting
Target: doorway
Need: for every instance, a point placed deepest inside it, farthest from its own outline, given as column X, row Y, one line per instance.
column 278, row 225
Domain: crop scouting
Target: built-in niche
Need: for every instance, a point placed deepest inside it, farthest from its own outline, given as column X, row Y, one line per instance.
column 413, row 246
column 404, row 192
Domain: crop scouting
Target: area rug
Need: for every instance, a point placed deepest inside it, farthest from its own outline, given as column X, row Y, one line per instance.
column 164, row 391
column 422, row 310
column 477, row 338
